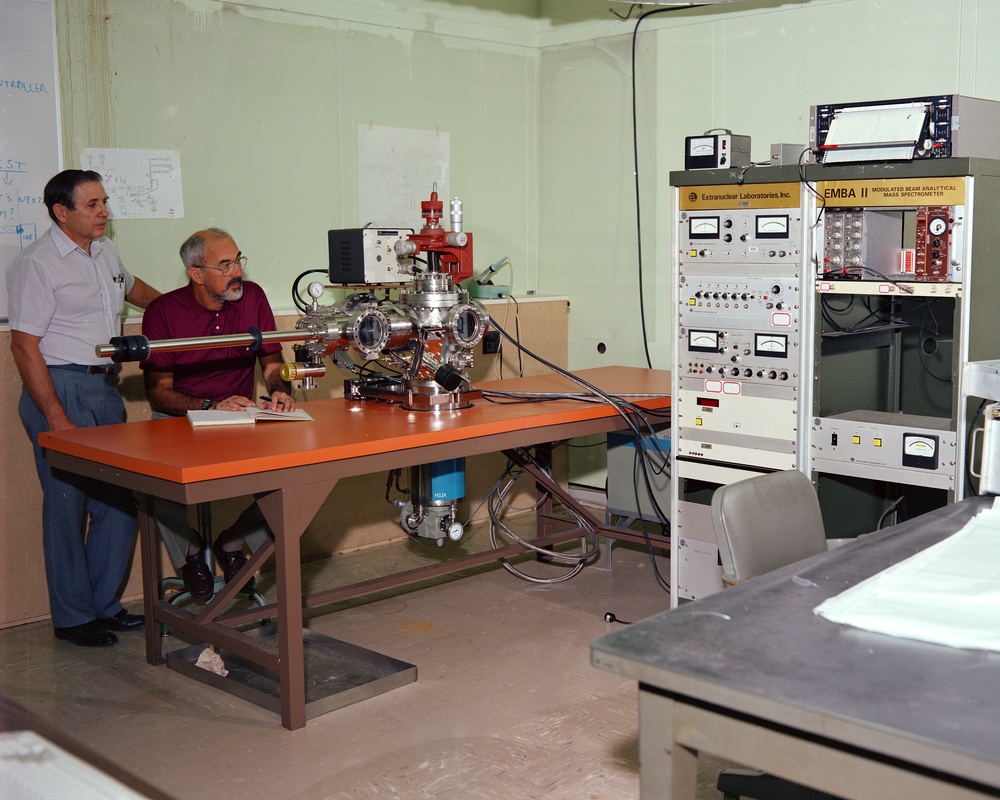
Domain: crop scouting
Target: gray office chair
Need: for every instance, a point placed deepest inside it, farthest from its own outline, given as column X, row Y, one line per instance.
column 763, row 523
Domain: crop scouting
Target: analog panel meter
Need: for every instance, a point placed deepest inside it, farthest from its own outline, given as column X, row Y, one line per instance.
column 920, row 450
column 703, row 227
column 772, row 226
column 770, row 345
column 703, row 341
column 701, row 146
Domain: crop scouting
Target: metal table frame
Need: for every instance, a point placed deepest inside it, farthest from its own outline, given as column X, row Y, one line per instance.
column 751, row 676
column 291, row 473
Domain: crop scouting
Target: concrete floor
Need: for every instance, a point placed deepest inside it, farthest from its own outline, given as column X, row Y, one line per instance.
column 506, row 704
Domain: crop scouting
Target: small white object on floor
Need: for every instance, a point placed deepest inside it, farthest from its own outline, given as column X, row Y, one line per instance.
column 212, row 661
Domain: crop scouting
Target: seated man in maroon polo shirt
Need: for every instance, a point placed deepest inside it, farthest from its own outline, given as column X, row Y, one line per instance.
column 215, row 301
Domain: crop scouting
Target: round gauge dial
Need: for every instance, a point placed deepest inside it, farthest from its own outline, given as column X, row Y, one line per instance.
column 937, row 226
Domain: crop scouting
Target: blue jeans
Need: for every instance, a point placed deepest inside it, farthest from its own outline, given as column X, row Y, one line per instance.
column 85, row 563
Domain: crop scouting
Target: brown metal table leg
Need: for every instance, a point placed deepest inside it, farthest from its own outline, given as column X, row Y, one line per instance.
column 150, row 578
column 289, row 511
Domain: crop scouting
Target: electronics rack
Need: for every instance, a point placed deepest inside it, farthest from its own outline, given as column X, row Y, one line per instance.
column 871, row 403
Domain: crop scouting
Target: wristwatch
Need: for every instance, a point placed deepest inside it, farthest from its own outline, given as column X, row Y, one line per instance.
column 206, row 404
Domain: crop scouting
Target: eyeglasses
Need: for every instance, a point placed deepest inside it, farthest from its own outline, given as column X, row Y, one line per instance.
column 227, row 268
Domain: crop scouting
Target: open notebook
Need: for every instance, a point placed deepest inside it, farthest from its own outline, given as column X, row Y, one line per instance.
column 248, row 416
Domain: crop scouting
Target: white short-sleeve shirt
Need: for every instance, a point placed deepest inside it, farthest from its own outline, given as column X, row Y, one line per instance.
column 72, row 300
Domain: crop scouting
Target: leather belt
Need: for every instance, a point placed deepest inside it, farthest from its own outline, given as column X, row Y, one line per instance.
column 90, row 369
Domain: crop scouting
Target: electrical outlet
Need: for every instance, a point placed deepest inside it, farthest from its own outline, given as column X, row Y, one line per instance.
column 491, row 342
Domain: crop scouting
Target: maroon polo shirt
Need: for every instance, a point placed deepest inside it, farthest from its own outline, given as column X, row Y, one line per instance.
column 215, row 373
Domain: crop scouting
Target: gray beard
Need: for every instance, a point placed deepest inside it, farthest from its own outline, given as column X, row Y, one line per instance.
column 232, row 293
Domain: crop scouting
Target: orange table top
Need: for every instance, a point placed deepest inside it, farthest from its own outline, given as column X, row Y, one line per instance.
column 171, row 449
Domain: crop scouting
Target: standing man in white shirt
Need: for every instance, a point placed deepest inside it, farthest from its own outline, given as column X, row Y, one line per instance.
column 67, row 292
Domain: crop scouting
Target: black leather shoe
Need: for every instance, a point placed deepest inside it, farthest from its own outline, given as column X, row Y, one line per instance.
column 198, row 578
column 231, row 563
column 123, row 621
column 90, row 634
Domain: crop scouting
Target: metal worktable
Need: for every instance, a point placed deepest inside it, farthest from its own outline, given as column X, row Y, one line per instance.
column 751, row 676
column 291, row 468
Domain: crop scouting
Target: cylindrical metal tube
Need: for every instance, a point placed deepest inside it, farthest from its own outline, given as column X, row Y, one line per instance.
column 441, row 483
column 297, row 371
column 205, row 342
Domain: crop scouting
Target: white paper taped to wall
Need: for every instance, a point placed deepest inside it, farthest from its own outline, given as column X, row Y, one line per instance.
column 884, row 133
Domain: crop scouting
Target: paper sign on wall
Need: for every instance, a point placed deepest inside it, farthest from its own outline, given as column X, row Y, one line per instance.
column 398, row 167
column 141, row 184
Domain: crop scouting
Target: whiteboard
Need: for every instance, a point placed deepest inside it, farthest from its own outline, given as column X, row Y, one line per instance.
column 30, row 151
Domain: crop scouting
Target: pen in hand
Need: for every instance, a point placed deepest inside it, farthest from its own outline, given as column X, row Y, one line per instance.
column 267, row 399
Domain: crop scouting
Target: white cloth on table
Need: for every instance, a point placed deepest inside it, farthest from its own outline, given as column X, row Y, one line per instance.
column 947, row 594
